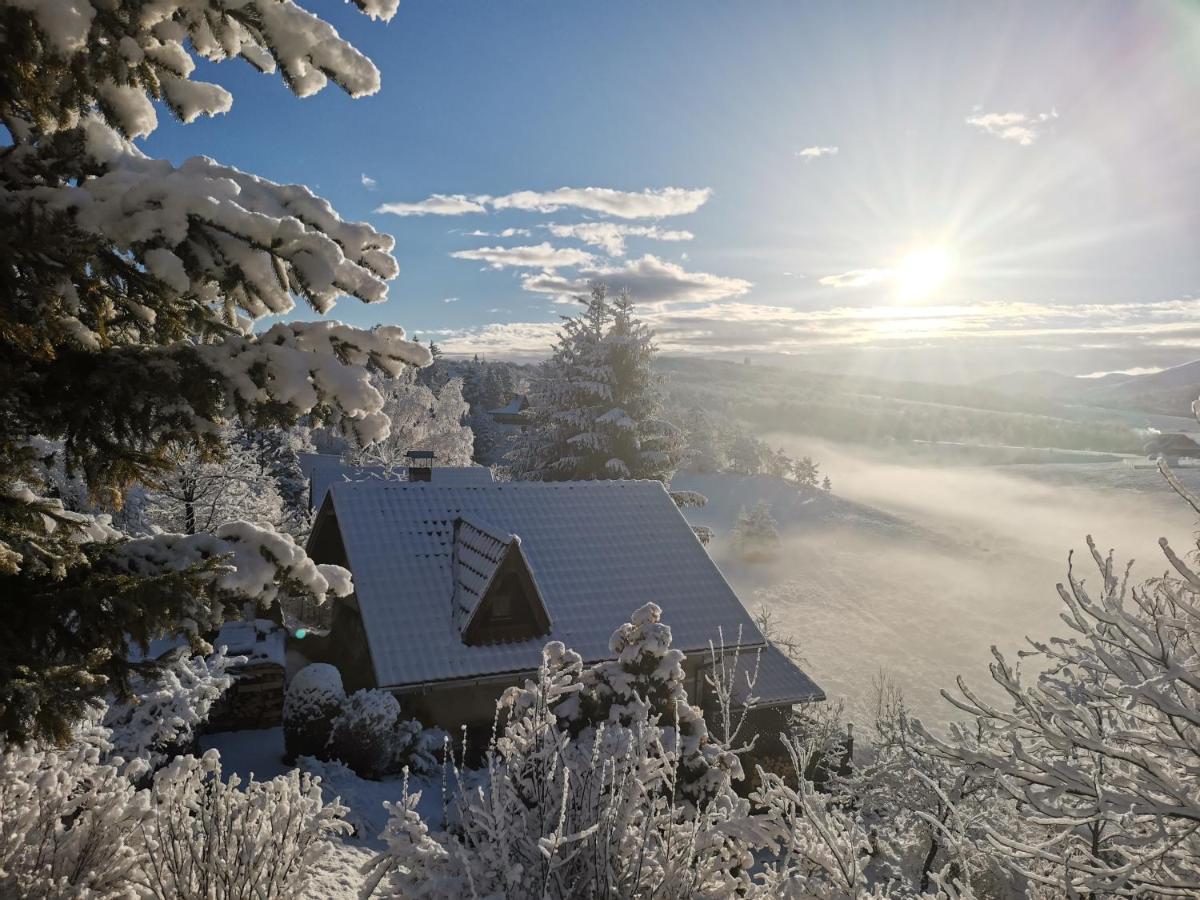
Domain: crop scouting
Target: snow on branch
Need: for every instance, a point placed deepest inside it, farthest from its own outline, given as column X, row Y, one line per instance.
column 306, row 365
column 194, row 223
column 246, row 562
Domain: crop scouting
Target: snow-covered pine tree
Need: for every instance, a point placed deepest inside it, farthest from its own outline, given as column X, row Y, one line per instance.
column 130, row 287
column 421, row 420
column 756, row 533
column 595, row 405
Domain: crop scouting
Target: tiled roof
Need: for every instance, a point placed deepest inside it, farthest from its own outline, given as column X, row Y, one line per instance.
column 323, row 470
column 781, row 681
column 598, row 550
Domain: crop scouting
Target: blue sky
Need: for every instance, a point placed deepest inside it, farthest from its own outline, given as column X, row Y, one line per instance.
column 1043, row 156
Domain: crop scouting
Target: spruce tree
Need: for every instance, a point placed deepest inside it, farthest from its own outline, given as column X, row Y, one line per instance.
column 595, row 405
column 129, row 288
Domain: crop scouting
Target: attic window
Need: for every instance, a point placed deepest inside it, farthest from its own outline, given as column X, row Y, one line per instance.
column 496, row 598
column 503, row 599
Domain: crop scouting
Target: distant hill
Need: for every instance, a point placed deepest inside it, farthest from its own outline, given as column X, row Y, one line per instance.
column 1169, row 392
column 878, row 412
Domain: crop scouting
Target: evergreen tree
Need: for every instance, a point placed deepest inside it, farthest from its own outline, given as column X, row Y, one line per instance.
column 806, row 472
column 595, row 405
column 756, row 533
column 129, row 289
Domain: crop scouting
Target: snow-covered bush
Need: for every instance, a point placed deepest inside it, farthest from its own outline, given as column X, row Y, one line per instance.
column 162, row 714
column 1098, row 753
column 208, row 838
column 314, row 698
column 370, row 736
column 363, row 733
column 755, row 534
column 69, row 822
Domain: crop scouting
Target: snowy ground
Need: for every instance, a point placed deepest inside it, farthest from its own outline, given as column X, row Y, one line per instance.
column 919, row 569
column 339, row 875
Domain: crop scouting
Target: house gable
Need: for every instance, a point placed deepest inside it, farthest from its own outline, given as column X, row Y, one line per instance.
column 496, row 598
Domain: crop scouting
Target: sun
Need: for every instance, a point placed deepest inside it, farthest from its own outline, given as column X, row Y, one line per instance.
column 921, row 272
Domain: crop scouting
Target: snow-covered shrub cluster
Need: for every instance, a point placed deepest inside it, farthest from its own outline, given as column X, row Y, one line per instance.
column 591, row 789
column 69, row 822
column 73, row 824
column 364, row 730
column 595, row 813
column 1097, row 755
column 363, row 735
column 208, row 838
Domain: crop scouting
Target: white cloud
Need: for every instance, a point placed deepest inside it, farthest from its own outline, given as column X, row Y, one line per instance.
column 1142, row 335
column 1021, row 128
column 539, row 256
column 611, row 235
column 810, row 153
column 368, row 182
column 449, row 299
column 516, row 232
column 646, row 204
column 437, row 205
column 651, row 281
column 854, row 278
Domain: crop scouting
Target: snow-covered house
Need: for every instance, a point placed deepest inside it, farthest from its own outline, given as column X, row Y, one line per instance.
column 510, row 413
column 458, row 587
column 323, row 469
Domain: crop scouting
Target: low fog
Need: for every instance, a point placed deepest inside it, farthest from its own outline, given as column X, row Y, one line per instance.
column 973, row 561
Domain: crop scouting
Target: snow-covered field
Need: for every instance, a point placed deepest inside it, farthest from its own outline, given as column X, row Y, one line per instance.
column 918, row 570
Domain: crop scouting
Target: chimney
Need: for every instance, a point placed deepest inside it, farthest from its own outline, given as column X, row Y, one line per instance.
column 420, row 465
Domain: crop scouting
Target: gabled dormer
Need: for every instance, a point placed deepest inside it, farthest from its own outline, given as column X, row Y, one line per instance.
column 496, row 598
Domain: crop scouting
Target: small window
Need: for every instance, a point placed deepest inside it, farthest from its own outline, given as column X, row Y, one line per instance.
column 502, row 606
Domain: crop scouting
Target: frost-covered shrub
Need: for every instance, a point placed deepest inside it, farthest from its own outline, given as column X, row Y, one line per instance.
column 647, row 678
column 314, row 698
column 68, row 822
column 370, row 737
column 210, row 839
column 363, row 733
column 161, row 716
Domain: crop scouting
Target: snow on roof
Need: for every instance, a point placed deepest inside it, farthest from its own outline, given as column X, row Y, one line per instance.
column 511, row 408
column 597, row 549
column 324, row 470
column 259, row 641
